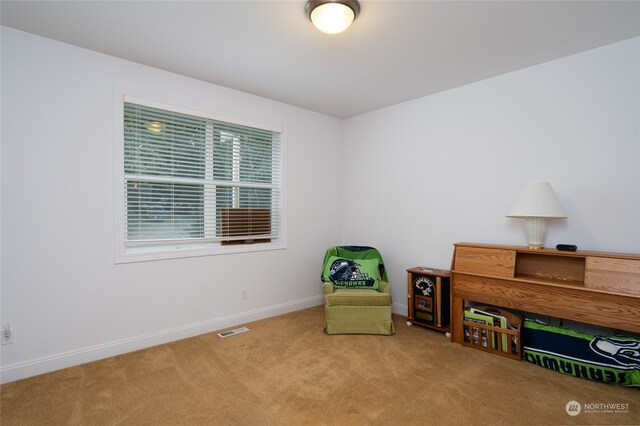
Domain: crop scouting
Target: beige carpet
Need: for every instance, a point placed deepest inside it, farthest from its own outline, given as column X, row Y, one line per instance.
column 286, row 371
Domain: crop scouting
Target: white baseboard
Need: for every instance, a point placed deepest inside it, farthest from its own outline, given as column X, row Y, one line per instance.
column 22, row 370
column 399, row 309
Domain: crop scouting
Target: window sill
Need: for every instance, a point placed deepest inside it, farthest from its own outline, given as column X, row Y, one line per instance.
column 145, row 254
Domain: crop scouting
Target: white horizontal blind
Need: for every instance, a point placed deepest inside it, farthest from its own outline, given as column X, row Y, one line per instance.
column 194, row 179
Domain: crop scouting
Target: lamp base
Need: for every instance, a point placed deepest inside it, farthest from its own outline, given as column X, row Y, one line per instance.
column 535, row 228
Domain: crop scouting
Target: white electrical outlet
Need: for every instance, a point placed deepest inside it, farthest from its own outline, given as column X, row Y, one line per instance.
column 245, row 293
column 7, row 334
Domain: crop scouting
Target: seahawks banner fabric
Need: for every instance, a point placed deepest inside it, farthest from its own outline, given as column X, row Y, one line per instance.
column 614, row 359
column 356, row 253
column 353, row 267
column 347, row 273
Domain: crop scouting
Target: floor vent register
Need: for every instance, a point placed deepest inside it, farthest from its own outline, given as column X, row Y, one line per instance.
column 233, row 332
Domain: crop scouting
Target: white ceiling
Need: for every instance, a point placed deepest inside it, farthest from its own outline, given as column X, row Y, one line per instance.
column 395, row 50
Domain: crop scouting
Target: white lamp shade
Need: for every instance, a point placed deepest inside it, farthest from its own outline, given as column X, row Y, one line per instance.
column 536, row 199
column 332, row 18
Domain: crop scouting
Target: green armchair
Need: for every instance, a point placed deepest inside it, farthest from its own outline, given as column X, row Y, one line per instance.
column 357, row 294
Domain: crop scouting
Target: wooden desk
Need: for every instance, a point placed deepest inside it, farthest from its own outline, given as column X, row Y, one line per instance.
column 592, row 287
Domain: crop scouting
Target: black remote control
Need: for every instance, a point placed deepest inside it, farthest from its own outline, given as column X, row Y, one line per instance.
column 567, row 247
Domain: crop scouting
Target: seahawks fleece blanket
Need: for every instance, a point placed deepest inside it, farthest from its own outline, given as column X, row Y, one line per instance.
column 614, row 359
column 353, row 267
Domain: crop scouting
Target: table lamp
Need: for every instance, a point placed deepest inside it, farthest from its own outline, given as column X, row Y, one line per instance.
column 536, row 202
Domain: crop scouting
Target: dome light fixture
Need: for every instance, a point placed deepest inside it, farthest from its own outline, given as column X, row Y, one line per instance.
column 332, row 16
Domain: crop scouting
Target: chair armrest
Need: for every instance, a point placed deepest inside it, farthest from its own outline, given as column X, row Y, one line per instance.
column 384, row 287
column 327, row 288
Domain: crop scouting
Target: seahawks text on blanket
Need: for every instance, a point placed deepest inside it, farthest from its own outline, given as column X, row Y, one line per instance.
column 613, row 359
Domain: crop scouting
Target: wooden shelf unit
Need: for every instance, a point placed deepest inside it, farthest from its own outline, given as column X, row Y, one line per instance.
column 592, row 287
column 429, row 304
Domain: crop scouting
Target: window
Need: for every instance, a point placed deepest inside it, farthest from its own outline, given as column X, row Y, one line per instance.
column 191, row 181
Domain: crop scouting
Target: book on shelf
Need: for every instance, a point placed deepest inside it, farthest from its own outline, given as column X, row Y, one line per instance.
column 478, row 335
column 497, row 321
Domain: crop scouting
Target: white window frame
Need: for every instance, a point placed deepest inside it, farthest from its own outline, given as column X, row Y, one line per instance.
column 124, row 253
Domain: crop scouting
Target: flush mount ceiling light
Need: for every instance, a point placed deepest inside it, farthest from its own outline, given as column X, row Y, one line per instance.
column 332, row 16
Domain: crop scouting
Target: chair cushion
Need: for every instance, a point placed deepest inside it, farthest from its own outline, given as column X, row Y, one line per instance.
column 357, row 297
column 348, row 273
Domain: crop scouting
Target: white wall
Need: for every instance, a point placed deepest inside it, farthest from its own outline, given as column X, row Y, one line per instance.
column 416, row 178
column 445, row 168
column 66, row 299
